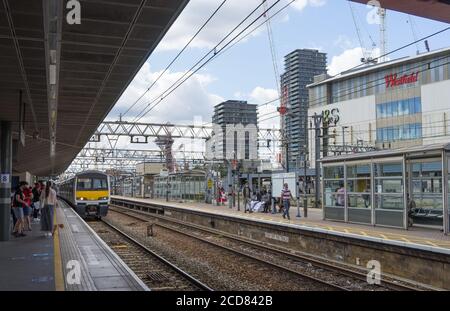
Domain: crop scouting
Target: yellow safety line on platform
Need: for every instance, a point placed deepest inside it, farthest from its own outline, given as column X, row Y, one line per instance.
column 59, row 279
column 406, row 240
column 383, row 236
column 431, row 243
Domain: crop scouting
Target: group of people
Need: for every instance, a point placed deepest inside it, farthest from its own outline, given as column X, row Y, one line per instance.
column 264, row 200
column 37, row 203
column 256, row 201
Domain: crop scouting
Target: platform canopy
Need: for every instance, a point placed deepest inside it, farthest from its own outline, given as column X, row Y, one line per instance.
column 71, row 75
column 438, row 10
column 414, row 151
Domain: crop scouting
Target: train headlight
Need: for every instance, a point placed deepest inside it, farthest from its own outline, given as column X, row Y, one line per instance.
column 103, row 198
column 81, row 199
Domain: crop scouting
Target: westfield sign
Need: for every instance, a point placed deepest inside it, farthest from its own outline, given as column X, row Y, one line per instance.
column 395, row 80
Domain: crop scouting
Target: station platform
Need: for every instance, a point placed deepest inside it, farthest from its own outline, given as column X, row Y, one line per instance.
column 414, row 237
column 74, row 259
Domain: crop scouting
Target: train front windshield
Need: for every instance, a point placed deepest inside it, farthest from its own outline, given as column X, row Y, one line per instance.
column 85, row 183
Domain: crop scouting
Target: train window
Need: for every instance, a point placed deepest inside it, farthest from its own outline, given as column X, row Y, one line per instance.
column 100, row 183
column 84, row 183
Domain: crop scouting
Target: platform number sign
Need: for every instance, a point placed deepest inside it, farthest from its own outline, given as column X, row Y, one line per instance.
column 4, row 178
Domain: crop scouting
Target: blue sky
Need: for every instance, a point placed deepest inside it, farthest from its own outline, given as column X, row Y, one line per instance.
column 246, row 71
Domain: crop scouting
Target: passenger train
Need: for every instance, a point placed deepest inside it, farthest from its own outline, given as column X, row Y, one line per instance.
column 88, row 193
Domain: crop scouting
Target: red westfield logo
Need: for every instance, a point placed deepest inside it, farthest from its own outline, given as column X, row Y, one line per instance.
column 394, row 80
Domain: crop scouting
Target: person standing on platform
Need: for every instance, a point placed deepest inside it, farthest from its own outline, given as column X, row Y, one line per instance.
column 48, row 203
column 27, row 210
column 286, row 196
column 246, row 193
column 18, row 205
column 340, row 195
column 36, row 198
column 14, row 219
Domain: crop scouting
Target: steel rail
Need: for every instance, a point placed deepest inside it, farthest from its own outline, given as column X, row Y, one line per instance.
column 391, row 283
column 183, row 273
column 235, row 251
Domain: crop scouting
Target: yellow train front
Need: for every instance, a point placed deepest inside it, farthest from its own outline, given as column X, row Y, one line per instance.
column 88, row 193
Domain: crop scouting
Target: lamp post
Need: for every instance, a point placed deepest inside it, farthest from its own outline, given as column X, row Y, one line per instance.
column 343, row 139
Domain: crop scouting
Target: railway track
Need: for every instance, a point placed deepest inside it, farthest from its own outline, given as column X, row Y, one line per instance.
column 229, row 254
column 340, row 276
column 155, row 271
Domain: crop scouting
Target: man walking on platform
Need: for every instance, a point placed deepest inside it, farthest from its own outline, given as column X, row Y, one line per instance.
column 246, row 192
column 286, row 196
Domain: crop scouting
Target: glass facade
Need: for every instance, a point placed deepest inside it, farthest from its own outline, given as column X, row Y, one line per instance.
column 370, row 193
column 392, row 192
column 359, row 186
column 426, row 193
column 334, row 186
column 389, row 186
column 399, row 108
column 399, row 132
column 180, row 187
column 375, row 82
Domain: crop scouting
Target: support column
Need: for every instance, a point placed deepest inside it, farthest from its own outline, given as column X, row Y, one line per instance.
column 406, row 178
column 445, row 191
column 5, row 182
column 230, row 184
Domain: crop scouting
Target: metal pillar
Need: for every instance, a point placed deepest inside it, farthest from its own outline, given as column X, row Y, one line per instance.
column 5, row 182
column 405, row 193
column 317, row 122
column 230, row 185
column 445, row 192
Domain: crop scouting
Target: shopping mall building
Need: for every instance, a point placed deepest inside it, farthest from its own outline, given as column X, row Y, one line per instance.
column 401, row 110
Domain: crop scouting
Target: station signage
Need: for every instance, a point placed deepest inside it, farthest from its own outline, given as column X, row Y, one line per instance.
column 331, row 117
column 393, row 80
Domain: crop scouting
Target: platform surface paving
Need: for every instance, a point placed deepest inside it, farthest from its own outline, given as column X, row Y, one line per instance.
column 75, row 259
column 26, row 263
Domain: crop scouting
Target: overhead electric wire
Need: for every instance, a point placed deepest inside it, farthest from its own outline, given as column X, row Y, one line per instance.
column 258, row 26
column 410, row 21
column 358, row 32
column 249, row 33
column 215, row 53
column 400, row 48
column 177, row 56
column 213, row 50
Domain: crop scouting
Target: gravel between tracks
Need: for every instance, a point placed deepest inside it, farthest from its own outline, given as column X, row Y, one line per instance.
column 220, row 269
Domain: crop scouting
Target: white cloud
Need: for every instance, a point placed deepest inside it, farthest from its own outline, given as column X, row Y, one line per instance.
column 343, row 42
column 348, row 59
column 190, row 100
column 233, row 12
column 260, row 96
column 187, row 105
column 301, row 4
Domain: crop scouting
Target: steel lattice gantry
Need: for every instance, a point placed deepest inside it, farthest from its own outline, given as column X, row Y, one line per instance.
column 141, row 132
column 141, row 155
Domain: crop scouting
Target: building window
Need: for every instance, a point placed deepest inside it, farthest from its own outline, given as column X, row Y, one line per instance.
column 399, row 108
column 400, row 132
